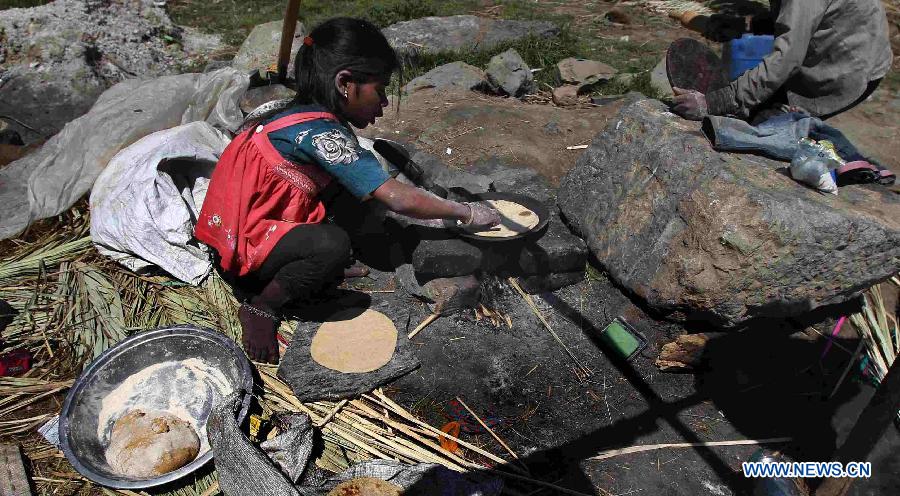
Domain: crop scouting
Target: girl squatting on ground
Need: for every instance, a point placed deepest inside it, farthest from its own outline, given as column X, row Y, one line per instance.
column 265, row 213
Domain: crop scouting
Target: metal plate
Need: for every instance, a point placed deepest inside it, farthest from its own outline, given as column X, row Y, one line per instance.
column 79, row 416
column 535, row 206
column 691, row 65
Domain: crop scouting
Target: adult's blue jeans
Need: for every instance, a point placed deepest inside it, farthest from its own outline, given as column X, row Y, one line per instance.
column 777, row 137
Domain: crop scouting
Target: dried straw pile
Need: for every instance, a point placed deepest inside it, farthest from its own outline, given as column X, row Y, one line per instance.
column 73, row 304
column 878, row 327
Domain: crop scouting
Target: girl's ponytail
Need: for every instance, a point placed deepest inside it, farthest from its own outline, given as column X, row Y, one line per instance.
column 335, row 45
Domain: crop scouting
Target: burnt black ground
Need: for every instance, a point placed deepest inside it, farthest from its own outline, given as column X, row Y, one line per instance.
column 764, row 382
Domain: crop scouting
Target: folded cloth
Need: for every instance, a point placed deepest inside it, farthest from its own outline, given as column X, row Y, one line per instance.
column 779, row 138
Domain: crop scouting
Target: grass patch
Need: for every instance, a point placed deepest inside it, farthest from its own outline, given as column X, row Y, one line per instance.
column 234, row 19
column 545, row 53
column 21, row 4
column 892, row 80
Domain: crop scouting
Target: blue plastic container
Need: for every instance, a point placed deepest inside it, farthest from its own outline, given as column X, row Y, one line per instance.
column 746, row 52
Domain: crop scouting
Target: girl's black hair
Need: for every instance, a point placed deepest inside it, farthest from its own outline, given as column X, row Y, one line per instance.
column 341, row 43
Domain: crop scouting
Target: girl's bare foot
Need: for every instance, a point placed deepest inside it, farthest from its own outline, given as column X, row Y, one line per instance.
column 259, row 327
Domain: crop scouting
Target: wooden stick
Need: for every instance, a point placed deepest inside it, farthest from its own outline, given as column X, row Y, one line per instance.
column 527, row 297
column 287, row 38
column 491, row 432
column 396, row 444
column 431, row 318
column 345, row 423
column 410, row 452
column 212, row 489
column 349, row 427
column 406, row 443
column 650, row 447
column 408, row 416
column 850, row 364
column 332, row 414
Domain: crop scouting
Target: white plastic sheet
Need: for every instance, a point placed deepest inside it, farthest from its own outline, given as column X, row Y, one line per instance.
column 50, row 180
column 145, row 203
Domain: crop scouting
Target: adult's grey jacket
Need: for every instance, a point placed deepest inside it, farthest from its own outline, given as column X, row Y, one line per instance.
column 826, row 52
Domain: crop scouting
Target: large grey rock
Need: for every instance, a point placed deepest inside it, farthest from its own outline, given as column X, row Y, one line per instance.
column 719, row 236
column 508, row 73
column 438, row 34
column 260, row 48
column 448, row 177
column 452, row 75
column 56, row 59
column 545, row 283
column 579, row 71
column 556, row 251
column 515, row 179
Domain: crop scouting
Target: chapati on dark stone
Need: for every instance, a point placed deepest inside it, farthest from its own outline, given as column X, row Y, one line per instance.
column 313, row 382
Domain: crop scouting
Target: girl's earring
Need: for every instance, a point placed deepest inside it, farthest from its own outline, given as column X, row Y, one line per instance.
column 346, row 94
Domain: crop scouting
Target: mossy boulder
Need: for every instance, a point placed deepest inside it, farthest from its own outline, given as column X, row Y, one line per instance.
column 722, row 237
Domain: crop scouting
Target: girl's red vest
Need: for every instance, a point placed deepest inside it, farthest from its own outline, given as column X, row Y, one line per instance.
column 255, row 196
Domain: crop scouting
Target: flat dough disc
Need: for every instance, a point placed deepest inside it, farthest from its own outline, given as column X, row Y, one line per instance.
column 516, row 219
column 357, row 344
column 365, row 486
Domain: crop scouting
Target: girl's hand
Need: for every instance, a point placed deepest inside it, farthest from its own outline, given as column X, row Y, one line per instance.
column 482, row 216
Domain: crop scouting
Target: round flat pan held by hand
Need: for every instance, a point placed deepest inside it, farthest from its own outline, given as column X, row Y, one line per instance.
column 691, row 65
column 536, row 207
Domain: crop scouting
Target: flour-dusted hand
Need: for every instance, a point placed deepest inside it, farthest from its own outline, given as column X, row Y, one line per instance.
column 690, row 104
column 483, row 216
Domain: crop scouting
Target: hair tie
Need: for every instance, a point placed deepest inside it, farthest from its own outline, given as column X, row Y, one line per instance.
column 308, row 41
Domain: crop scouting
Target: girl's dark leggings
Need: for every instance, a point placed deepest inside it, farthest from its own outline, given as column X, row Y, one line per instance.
column 305, row 260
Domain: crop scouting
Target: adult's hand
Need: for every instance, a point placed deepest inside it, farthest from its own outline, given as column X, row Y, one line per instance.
column 483, row 216
column 690, row 104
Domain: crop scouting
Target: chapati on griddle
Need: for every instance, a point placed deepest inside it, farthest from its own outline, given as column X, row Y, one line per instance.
column 515, row 219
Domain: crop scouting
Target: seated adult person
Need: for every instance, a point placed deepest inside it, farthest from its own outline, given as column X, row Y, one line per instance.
column 828, row 57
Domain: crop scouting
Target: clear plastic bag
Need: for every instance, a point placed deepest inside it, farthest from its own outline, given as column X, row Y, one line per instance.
column 813, row 163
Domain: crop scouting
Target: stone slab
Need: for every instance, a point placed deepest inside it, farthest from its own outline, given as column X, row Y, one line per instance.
column 312, row 382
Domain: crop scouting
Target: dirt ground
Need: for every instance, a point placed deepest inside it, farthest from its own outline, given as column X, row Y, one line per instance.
column 464, row 127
